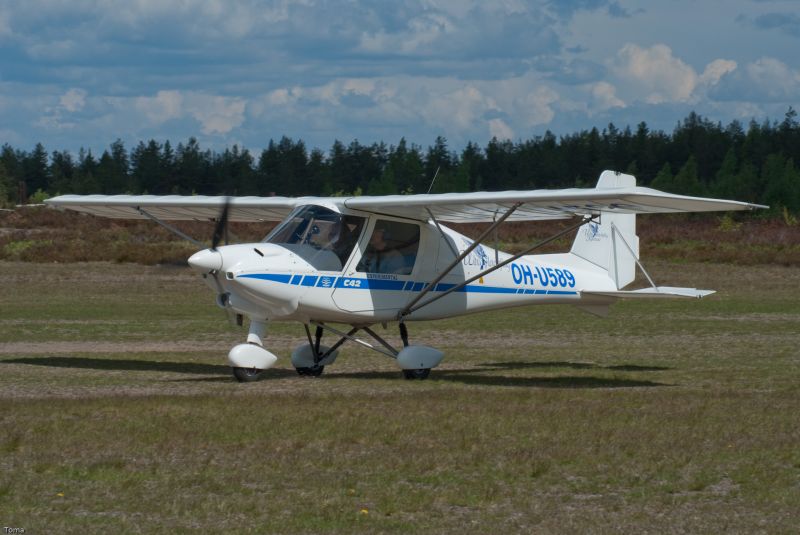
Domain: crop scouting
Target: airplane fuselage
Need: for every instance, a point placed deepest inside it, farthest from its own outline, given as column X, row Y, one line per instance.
column 276, row 282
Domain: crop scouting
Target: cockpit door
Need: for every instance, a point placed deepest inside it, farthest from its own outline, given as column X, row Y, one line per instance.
column 380, row 274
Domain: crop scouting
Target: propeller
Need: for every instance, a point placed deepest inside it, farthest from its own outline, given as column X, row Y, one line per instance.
column 221, row 228
column 220, row 232
column 210, row 261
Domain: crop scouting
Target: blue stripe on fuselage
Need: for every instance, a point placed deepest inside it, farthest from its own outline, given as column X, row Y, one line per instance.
column 274, row 277
column 358, row 283
column 309, row 280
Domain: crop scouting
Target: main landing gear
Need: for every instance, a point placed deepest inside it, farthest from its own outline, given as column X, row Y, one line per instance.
column 415, row 373
column 421, row 373
column 415, row 361
column 310, row 359
column 248, row 361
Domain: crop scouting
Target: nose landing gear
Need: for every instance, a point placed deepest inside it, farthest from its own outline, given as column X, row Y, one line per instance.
column 247, row 375
column 248, row 361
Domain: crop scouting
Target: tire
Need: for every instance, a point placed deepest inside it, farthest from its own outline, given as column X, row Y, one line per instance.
column 313, row 371
column 247, row 375
column 420, row 374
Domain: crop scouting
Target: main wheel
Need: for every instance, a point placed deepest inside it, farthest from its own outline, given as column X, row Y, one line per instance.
column 247, row 375
column 311, row 371
column 422, row 373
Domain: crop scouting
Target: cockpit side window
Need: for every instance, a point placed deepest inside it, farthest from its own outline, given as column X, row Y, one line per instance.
column 392, row 248
column 323, row 238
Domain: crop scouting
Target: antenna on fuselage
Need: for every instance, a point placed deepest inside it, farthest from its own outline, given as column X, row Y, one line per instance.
column 434, row 178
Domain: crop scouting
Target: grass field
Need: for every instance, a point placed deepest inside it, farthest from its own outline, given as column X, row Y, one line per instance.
column 118, row 414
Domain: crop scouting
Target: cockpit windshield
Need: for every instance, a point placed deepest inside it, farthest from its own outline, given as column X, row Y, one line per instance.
column 319, row 236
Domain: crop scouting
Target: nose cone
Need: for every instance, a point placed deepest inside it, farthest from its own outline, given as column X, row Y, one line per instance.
column 206, row 260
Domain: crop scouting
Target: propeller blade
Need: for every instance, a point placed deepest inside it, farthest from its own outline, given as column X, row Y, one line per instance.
column 221, row 228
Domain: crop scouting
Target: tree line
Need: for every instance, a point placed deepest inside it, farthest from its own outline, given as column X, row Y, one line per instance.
column 756, row 163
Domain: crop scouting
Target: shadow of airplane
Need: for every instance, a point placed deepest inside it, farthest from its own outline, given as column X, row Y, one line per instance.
column 574, row 365
column 123, row 364
column 477, row 376
column 562, row 381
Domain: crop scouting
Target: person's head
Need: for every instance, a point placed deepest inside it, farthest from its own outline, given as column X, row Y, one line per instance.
column 334, row 231
column 378, row 239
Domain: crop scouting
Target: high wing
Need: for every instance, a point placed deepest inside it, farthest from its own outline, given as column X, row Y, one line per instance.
column 529, row 205
column 539, row 204
column 181, row 207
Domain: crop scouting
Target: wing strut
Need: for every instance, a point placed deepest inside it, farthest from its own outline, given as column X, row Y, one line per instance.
column 616, row 232
column 171, row 228
column 410, row 307
column 413, row 306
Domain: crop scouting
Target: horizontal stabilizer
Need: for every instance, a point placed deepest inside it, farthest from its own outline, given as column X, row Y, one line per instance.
column 656, row 291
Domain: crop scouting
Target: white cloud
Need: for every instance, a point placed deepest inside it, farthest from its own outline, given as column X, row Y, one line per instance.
column 164, row 106
column 747, row 110
column 716, row 70
column 419, row 36
column 664, row 77
column 283, row 96
column 212, row 17
column 604, row 96
column 73, row 100
column 536, row 107
column 321, row 70
column 217, row 115
column 766, row 80
column 774, row 77
column 459, row 108
column 656, row 76
column 499, row 129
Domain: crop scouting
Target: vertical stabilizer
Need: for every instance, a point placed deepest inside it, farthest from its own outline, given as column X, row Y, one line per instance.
column 611, row 242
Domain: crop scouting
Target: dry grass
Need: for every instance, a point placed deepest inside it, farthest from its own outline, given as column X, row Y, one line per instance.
column 119, row 415
column 46, row 235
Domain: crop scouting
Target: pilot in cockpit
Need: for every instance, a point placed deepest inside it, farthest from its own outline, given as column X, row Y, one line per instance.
column 379, row 257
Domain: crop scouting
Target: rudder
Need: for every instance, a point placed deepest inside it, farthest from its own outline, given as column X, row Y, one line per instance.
column 603, row 242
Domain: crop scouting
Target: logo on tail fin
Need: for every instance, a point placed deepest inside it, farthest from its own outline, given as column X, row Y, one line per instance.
column 591, row 232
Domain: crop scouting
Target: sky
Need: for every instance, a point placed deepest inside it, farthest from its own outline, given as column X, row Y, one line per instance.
column 82, row 73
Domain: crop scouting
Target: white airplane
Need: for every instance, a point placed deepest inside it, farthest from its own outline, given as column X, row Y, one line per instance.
column 363, row 261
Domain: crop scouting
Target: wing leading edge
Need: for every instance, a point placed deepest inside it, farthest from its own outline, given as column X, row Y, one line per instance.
column 473, row 207
column 179, row 207
column 539, row 204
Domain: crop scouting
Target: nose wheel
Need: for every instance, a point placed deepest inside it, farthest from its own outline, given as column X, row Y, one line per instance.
column 247, row 375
